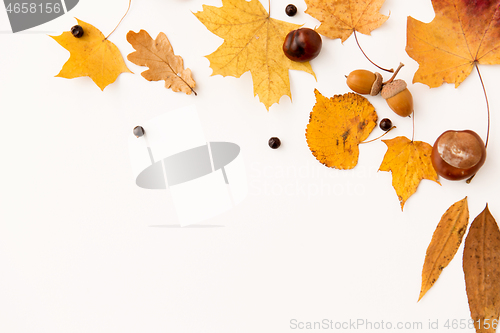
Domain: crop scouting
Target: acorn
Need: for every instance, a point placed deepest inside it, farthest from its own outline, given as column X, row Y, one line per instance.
column 398, row 97
column 365, row 82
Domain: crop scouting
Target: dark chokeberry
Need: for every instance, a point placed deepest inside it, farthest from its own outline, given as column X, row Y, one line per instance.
column 139, row 131
column 77, row 31
column 291, row 10
column 274, row 143
column 385, row 124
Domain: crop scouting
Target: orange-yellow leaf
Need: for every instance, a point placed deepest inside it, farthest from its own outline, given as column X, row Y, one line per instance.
column 462, row 33
column 253, row 42
column 91, row 55
column 163, row 64
column 481, row 264
column 336, row 127
column 444, row 244
column 339, row 18
column 410, row 162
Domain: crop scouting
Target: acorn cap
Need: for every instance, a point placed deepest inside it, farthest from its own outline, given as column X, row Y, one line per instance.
column 377, row 85
column 393, row 88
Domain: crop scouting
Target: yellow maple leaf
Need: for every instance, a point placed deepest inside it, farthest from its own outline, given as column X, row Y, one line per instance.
column 91, row 55
column 336, row 127
column 253, row 41
column 339, row 18
column 163, row 64
column 461, row 34
column 409, row 162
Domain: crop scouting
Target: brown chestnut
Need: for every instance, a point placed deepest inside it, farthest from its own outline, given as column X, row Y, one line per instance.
column 302, row 44
column 458, row 155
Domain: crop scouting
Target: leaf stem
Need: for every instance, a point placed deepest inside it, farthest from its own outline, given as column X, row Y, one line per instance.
column 356, row 37
column 390, row 129
column 487, row 105
column 129, row 3
column 394, row 75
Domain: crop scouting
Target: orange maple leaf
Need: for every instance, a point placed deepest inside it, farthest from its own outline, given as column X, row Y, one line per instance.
column 462, row 33
column 340, row 18
column 336, row 127
column 409, row 162
column 91, row 55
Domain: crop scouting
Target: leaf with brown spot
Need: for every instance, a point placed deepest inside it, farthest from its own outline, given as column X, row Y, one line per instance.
column 336, row 127
column 481, row 264
column 339, row 18
column 163, row 64
column 444, row 244
column 409, row 162
column 462, row 33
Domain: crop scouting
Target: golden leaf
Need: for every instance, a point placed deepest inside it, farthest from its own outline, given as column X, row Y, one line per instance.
column 462, row 33
column 481, row 264
column 444, row 244
column 252, row 42
column 336, row 127
column 163, row 64
column 410, row 162
column 91, row 55
column 339, row 18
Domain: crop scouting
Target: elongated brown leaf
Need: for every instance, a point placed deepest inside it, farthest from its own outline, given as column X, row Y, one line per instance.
column 481, row 265
column 444, row 244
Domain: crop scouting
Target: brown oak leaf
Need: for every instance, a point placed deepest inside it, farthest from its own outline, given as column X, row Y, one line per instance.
column 336, row 127
column 339, row 18
column 163, row 64
column 410, row 162
column 462, row 33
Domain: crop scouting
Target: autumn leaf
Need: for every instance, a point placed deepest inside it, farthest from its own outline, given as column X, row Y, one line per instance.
column 481, row 264
column 91, row 55
column 444, row 244
column 339, row 18
column 409, row 162
column 163, row 64
column 461, row 34
column 336, row 127
column 252, row 42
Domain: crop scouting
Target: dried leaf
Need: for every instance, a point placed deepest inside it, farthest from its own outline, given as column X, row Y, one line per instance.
column 91, row 55
column 252, row 42
column 339, row 18
column 461, row 34
column 336, row 127
column 163, row 64
column 444, row 244
column 410, row 162
column 481, row 264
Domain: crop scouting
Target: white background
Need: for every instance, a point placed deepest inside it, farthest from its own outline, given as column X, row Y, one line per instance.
column 82, row 249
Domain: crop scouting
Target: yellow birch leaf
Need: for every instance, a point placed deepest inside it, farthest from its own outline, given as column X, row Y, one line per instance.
column 336, row 127
column 253, row 41
column 444, row 244
column 339, row 18
column 481, row 264
column 461, row 34
column 163, row 64
column 91, row 55
column 409, row 162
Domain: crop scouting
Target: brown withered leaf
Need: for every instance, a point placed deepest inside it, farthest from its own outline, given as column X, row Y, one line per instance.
column 481, row 264
column 444, row 244
column 339, row 18
column 336, row 127
column 410, row 162
column 163, row 64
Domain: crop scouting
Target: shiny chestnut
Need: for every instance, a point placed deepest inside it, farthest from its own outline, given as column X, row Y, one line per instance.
column 458, row 155
column 302, row 45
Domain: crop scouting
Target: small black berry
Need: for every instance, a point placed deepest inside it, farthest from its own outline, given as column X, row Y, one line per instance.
column 291, row 10
column 139, row 131
column 274, row 143
column 77, row 31
column 385, row 124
